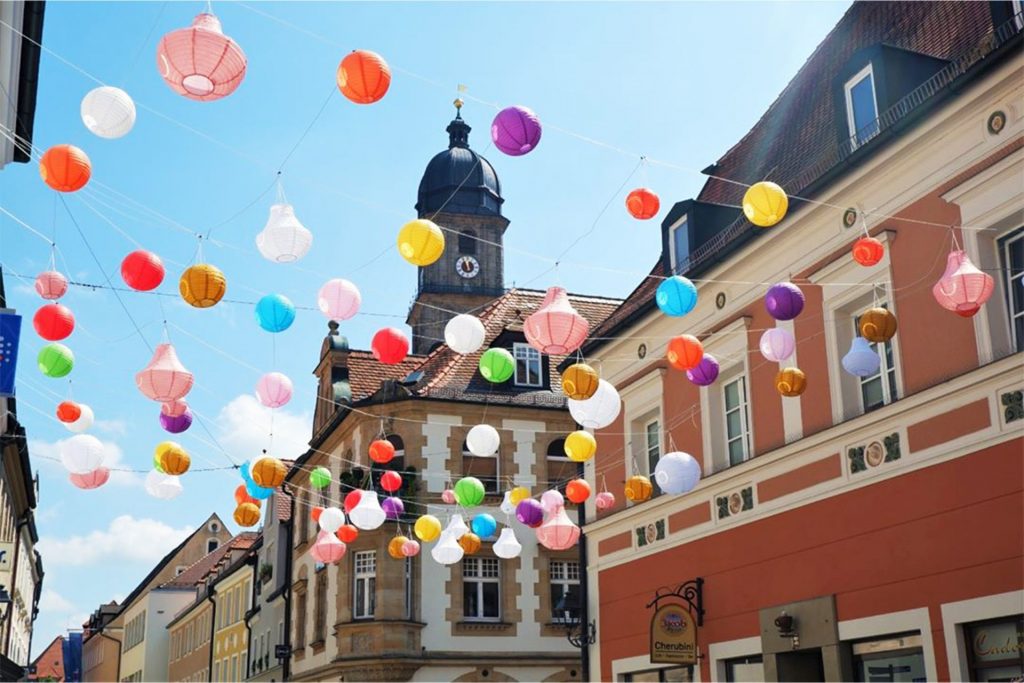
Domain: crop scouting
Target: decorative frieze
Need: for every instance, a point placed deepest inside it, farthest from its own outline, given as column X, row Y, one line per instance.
column 650, row 533
column 732, row 504
column 874, row 453
column 1013, row 406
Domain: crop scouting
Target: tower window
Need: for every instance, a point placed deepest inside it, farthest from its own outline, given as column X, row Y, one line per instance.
column 467, row 242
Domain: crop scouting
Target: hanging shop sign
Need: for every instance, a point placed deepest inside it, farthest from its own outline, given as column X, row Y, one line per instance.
column 673, row 635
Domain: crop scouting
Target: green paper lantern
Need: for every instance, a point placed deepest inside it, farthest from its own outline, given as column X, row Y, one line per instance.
column 469, row 491
column 497, row 365
column 55, row 360
column 320, row 478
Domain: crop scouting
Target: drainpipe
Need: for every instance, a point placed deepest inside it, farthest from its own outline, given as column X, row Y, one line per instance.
column 213, row 629
column 253, row 560
column 289, row 526
column 581, row 512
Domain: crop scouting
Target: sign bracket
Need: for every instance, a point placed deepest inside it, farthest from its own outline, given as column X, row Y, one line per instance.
column 691, row 592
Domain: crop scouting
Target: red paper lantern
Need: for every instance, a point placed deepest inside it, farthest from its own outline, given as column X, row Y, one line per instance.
column 867, row 251
column 577, row 491
column 68, row 411
column 643, row 203
column 391, row 481
column 382, row 451
column 684, row 352
column 363, row 76
column 65, row 168
column 556, row 327
column 963, row 288
column 314, row 514
column 142, row 270
column 390, row 346
column 347, row 533
column 242, row 496
column 200, row 62
column 352, row 499
column 54, row 322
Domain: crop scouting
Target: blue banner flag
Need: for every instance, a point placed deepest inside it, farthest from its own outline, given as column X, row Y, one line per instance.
column 10, row 332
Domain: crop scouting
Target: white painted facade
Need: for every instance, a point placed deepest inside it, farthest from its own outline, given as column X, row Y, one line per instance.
column 147, row 660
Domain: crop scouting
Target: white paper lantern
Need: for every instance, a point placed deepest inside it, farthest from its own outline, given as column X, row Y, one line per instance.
column 367, row 514
column 331, row 519
column 551, row 501
column 457, row 527
column 861, row 360
column 507, row 546
column 483, row 440
column 84, row 421
column 598, row 411
column 447, row 550
column 777, row 344
column 339, row 299
column 163, row 486
column 677, row 472
column 283, row 239
column 506, row 504
column 464, row 333
column 108, row 112
column 81, row 454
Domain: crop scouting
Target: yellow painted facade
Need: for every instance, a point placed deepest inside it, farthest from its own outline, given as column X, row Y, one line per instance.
column 233, row 597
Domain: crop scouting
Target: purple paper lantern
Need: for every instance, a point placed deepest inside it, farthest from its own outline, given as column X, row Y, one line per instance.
column 784, row 301
column 174, row 418
column 393, row 507
column 515, row 130
column 705, row 373
column 530, row 512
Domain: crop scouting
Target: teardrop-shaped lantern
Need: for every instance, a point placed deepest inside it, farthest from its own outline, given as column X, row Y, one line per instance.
column 284, row 239
column 200, row 62
column 559, row 532
column 457, row 527
column 165, row 378
column 507, row 546
column 963, row 288
column 861, row 360
column 556, row 327
column 328, row 548
column 368, row 514
column 447, row 551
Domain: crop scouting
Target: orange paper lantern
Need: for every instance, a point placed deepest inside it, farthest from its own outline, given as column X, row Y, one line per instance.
column 579, row 381
column 791, row 382
column 202, row 285
column 867, row 251
column 642, row 203
column 638, row 488
column 470, row 543
column 363, row 76
column 684, row 352
column 65, row 168
column 247, row 514
column 314, row 514
column 382, row 451
column 175, row 461
column 577, row 490
column 347, row 533
column 68, row 411
column 877, row 325
column 242, row 496
column 268, row 472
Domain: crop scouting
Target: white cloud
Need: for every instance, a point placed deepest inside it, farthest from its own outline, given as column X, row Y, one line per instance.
column 52, row 601
column 127, row 539
column 112, row 427
column 245, row 428
column 49, row 453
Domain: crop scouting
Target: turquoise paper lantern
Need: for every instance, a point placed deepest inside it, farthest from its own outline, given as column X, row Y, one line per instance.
column 484, row 525
column 275, row 313
column 676, row 296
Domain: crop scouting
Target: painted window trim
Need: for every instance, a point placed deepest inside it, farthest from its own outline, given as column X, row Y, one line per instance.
column 358, row 576
column 956, row 614
column 681, row 223
column 851, row 125
column 479, row 580
column 745, row 420
column 529, row 357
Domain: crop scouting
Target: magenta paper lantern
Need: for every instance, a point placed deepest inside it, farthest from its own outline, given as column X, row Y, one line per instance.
column 777, row 344
column 165, row 378
column 706, row 371
column 51, row 285
column 274, row 389
column 963, row 288
column 605, row 500
column 530, row 512
column 784, row 301
column 559, row 532
column 515, row 130
column 556, row 327
column 328, row 548
column 90, row 480
column 175, row 416
column 339, row 299
column 200, row 62
column 393, row 507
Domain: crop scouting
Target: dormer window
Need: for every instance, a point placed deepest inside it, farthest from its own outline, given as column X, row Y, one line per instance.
column 528, row 366
column 679, row 244
column 861, row 106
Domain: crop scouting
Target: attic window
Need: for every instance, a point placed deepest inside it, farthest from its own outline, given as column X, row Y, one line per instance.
column 861, row 106
column 679, row 244
column 211, row 545
column 528, row 366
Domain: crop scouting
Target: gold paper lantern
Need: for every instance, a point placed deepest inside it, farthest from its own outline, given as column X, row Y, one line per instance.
column 470, row 543
column 202, row 285
column 173, row 458
column 579, row 381
column 420, row 242
column 765, row 204
column 878, row 325
column 791, row 382
column 247, row 514
column 638, row 488
column 268, row 472
column 395, row 547
column 580, row 446
column 518, row 495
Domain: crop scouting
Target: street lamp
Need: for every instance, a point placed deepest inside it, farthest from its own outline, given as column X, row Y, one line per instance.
column 578, row 634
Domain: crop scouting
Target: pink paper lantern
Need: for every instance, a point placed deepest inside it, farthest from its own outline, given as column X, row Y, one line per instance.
column 410, row 548
column 274, row 389
column 328, row 548
column 200, row 62
column 339, row 299
column 165, row 378
column 90, row 480
column 777, row 344
column 51, row 285
column 556, row 327
column 559, row 532
column 963, row 288
column 605, row 500
column 175, row 408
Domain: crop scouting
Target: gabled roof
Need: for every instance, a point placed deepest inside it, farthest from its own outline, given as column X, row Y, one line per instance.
column 204, row 565
column 366, row 373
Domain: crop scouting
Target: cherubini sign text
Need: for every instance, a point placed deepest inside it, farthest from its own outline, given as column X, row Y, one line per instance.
column 673, row 635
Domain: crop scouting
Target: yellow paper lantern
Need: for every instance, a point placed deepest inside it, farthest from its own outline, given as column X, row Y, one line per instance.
column 580, row 446
column 421, row 242
column 395, row 547
column 765, row 204
column 877, row 325
column 638, row 488
column 518, row 495
column 173, row 458
column 268, row 472
column 247, row 514
column 427, row 528
column 579, row 381
column 791, row 382
column 202, row 285
column 470, row 543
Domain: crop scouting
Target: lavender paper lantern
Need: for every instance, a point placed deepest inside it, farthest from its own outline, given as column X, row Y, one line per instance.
column 784, row 301
column 393, row 507
column 706, row 371
column 175, row 416
column 861, row 360
column 515, row 130
column 530, row 512
column 777, row 344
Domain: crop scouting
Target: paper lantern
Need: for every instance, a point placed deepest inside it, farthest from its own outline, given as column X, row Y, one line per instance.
column 448, row 496
column 464, row 334
column 175, row 416
column 706, row 371
column 642, row 203
column 84, row 421
column 367, row 514
column 457, row 527
column 784, row 301
column 790, row 382
column 483, row 440
column 676, row 296
column 518, row 494
column 469, row 491
column 142, row 270
column 174, row 408
column 65, row 168
column 391, row 481
column 247, row 514
column 68, row 411
column 962, row 288
column 470, row 543
column 556, row 328
column 393, row 508
column 390, row 346
column 174, row 460
column 339, row 299
column 579, row 381
column 420, row 242
column 507, row 506
column 283, row 239
column 314, row 514
column 108, row 112
column 275, row 313
column 90, row 480
column 516, row 130
column 551, row 501
column 352, row 499
column 877, row 325
column 861, row 360
column 577, row 491
column 157, row 464
column 604, row 500
column 202, row 285
column 51, row 285
column 258, row 492
column 327, row 549
column 395, row 547
column 638, row 488
column 268, row 472
column 483, row 525
column 530, row 512
column 55, row 360
column 427, row 528
column 867, row 251
column 331, row 519
column 363, row 77
column 598, row 411
column 382, row 451
column 162, row 486
column 274, row 390
column 765, row 204
column 684, row 352
column 777, row 344
column 497, row 365
column 81, row 454
column 242, row 496
column 447, row 551
column 677, row 473
column 320, row 478
column 164, row 378
column 54, row 322
column 347, row 533
column 507, row 546
column 200, row 62
column 559, row 532
column 410, row 548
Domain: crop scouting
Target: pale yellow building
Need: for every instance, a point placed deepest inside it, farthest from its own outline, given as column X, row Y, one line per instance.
column 231, row 592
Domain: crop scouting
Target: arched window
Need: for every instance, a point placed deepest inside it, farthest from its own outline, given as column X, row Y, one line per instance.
column 397, row 463
column 467, row 242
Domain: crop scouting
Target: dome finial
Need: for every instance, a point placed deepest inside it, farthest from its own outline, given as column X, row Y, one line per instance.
column 458, row 107
column 458, row 130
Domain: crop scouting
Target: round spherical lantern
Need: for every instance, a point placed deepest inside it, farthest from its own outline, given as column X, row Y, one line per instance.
column 598, row 411
column 469, row 491
column 390, row 346
column 684, row 352
column 367, row 514
column 483, row 440
column 877, row 325
column 164, row 378
column 247, row 515
column 200, row 62
column 638, row 488
column 604, row 500
column 175, row 460
column 393, row 508
column 84, row 421
column 51, row 285
column 410, row 548
column 65, row 168
column 551, row 500
column 962, row 288
column 381, row 451
column 677, row 473
column 275, row 313
column 395, row 547
column 331, row 519
column 470, row 543
column 577, row 491
column 676, row 296
column 867, row 251
column 320, row 478
column 55, row 360
column 339, row 299
column 518, row 494
column 790, row 382
column 283, row 239
column 202, row 285
column 162, row 486
column 642, row 203
column 108, row 112
column 427, row 528
column 483, row 525
column 556, row 327
column 579, row 381
column 314, row 514
column 81, row 454
column 497, row 365
column 447, row 551
column 54, row 322
column 580, row 446
column 777, row 344
column 861, row 360
column 391, row 481
column 363, row 76
column 327, row 549
column 464, row 334
column 765, row 204
column 142, row 270
column 242, row 496
column 175, row 416
column 706, row 371
column 448, row 497
column 420, row 242
column 274, row 390
column 268, row 472
column 507, row 546
column 352, row 499
column 559, row 532
column 530, row 512
column 784, row 301
column 516, row 130
column 68, row 411
column 347, row 533
column 90, row 480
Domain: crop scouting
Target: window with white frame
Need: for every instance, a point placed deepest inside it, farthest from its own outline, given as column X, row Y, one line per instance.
column 679, row 244
column 565, row 587
column 365, row 588
column 737, row 420
column 878, row 389
column 861, row 106
column 652, row 444
column 481, row 589
column 528, row 366
column 1011, row 262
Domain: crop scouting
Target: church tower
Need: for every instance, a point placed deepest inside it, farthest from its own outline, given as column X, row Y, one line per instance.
column 460, row 192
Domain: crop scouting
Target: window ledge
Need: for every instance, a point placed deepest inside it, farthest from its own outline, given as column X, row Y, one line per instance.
column 318, row 646
column 484, row 625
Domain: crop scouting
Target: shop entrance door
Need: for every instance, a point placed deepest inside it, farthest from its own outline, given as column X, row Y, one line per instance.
column 800, row 665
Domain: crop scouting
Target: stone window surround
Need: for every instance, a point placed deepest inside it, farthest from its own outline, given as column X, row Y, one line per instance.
column 642, row 403
column 510, row 616
column 505, row 455
column 542, row 565
column 725, row 345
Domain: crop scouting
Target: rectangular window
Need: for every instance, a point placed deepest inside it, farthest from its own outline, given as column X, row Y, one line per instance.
column 484, row 468
column 408, row 588
column 862, row 106
column 890, row 658
column 1011, row 256
column 742, row 669
column 737, row 420
column 300, row 620
column 565, row 587
column 365, row 588
column 481, row 589
column 652, row 444
column 216, row 671
column 680, row 245
column 234, row 668
column 878, row 389
column 320, row 607
column 995, row 649
column 528, row 366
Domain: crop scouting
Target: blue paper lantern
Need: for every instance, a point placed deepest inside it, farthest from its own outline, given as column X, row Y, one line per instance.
column 257, row 492
column 275, row 313
column 861, row 360
column 484, row 525
column 676, row 296
column 246, row 475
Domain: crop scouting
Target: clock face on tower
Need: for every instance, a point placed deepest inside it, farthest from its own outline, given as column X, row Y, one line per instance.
column 467, row 267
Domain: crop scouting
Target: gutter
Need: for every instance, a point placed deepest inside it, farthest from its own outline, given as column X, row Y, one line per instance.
column 213, row 629
column 253, row 560
column 286, row 587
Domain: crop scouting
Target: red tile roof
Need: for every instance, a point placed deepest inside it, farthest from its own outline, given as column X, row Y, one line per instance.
column 366, row 373
column 282, row 501
column 204, row 565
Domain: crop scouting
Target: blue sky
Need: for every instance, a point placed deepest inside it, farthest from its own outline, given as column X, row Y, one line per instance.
column 677, row 82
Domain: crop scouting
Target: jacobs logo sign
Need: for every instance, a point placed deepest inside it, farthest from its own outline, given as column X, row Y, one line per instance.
column 673, row 635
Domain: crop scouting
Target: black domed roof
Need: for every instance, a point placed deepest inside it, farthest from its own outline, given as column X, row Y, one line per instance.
column 458, row 180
